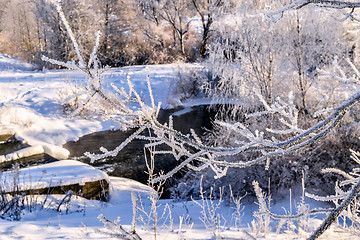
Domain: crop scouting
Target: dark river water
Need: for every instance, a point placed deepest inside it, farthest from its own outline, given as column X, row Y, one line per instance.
column 130, row 162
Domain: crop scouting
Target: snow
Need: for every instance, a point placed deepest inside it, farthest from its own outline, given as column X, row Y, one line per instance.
column 81, row 220
column 12, row 64
column 56, row 151
column 182, row 112
column 31, row 100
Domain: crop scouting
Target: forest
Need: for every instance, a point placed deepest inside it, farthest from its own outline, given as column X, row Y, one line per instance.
column 132, row 32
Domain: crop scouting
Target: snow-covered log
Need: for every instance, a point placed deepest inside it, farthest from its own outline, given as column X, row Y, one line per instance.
column 57, row 178
column 56, row 151
column 23, row 153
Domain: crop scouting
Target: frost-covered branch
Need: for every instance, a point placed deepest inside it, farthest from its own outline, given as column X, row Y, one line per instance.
column 118, row 107
column 71, row 34
column 190, row 148
column 116, row 231
column 321, row 3
column 113, row 153
column 338, row 74
column 298, row 215
column 334, row 4
column 210, row 209
column 346, row 198
column 91, row 69
column 264, row 209
column 336, row 213
column 208, row 155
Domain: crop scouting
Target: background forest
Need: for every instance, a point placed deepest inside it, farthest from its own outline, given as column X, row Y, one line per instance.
column 161, row 31
column 132, row 31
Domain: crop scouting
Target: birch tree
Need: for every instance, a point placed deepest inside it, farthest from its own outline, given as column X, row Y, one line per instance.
column 174, row 14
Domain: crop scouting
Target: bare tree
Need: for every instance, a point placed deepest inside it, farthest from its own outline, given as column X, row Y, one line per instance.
column 176, row 13
column 150, row 11
column 116, row 18
column 207, row 10
column 334, row 4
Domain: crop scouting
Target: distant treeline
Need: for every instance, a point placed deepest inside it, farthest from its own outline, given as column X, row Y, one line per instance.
column 132, row 31
column 163, row 31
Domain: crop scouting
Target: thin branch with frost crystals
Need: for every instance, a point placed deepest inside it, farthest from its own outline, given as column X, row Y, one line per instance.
column 340, row 6
column 346, row 197
column 210, row 209
column 92, row 69
column 264, row 214
column 115, row 230
column 190, row 148
column 208, row 155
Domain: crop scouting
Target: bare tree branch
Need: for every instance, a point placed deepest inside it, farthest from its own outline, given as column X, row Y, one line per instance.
column 334, row 4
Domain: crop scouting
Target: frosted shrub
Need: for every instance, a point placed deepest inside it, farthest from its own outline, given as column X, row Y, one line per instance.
column 117, row 231
column 12, row 202
column 249, row 50
column 188, row 83
column 210, row 210
column 261, row 226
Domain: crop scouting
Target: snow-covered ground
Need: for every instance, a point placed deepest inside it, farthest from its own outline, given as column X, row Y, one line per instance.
column 31, row 106
column 31, row 101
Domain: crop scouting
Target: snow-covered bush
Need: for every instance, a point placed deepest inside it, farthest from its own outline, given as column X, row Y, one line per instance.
column 210, row 210
column 188, row 83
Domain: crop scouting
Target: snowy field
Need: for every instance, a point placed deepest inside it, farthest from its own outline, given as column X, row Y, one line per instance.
column 31, row 105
